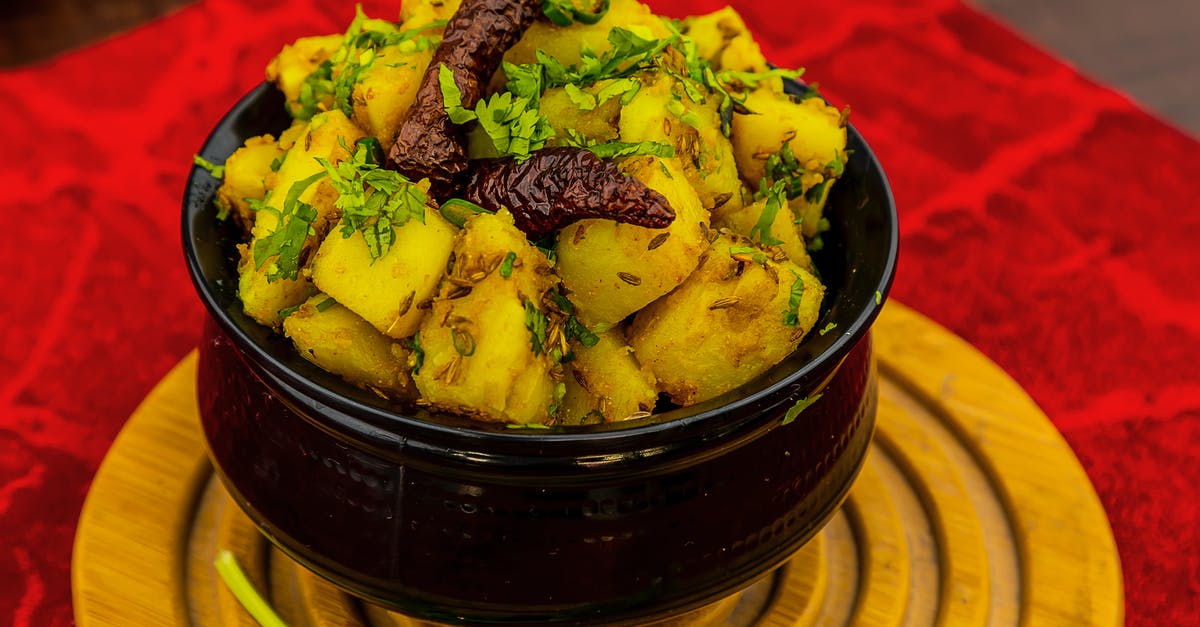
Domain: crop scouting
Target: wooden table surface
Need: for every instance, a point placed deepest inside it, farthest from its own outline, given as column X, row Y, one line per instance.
column 1148, row 49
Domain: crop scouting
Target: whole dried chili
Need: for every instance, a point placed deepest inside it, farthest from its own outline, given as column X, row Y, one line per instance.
column 558, row 186
column 476, row 37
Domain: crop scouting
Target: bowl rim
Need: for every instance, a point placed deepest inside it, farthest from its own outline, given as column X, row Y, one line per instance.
column 718, row 414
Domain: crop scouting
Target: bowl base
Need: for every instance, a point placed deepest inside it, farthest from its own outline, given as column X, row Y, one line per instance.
column 968, row 490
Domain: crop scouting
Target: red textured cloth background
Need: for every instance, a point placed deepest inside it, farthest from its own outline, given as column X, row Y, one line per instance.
column 1044, row 218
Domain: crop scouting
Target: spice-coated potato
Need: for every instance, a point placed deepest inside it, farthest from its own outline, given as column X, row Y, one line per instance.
column 722, row 37
column 486, row 340
column 611, row 270
column 785, row 228
column 247, row 171
column 728, row 323
column 418, row 13
column 605, row 383
column 662, row 112
column 387, row 290
column 297, row 60
column 332, row 337
column 326, row 136
column 815, row 131
column 565, row 43
column 386, row 89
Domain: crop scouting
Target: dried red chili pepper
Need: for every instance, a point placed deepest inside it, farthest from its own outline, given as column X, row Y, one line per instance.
column 474, row 42
column 558, row 186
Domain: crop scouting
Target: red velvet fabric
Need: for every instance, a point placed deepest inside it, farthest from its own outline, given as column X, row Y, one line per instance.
column 1045, row 218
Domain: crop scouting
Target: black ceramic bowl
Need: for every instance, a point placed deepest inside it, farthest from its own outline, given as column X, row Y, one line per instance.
column 454, row 523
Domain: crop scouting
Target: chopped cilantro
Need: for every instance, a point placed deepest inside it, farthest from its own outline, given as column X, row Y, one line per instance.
column 287, row 240
column 564, row 12
column 326, row 304
column 506, row 266
column 800, row 406
column 776, row 200
column 628, row 54
column 575, row 329
column 334, row 79
column 287, row 311
column 217, row 171
column 417, row 359
column 513, row 123
column 235, row 579
column 525, row 81
column 456, row 211
column 791, row 316
column 373, row 201
column 827, row 328
column 277, row 162
column 535, row 321
column 613, row 149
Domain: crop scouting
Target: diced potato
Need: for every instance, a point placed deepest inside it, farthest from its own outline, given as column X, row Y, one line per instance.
column 332, row 337
column 722, row 37
column 386, row 291
column 323, row 137
column 565, row 43
column 784, row 228
column 694, row 130
column 386, row 90
column 297, row 60
column 480, row 357
column 612, row 270
column 246, row 174
column 606, row 384
column 815, row 131
column 418, row 13
column 726, row 324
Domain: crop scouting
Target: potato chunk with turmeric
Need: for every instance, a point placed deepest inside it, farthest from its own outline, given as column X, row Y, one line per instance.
column 247, row 171
column 332, row 337
column 612, row 270
column 487, row 339
column 605, row 383
column 740, row 313
column 387, row 290
column 326, row 136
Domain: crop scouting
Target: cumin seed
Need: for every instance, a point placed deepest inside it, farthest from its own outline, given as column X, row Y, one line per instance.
column 631, row 279
column 658, row 240
column 724, row 303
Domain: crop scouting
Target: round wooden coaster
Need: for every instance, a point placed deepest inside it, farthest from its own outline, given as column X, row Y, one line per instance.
column 971, row 510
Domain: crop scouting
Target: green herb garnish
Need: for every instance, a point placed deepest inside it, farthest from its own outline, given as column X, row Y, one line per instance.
column 235, row 579
column 373, row 201
column 506, row 266
column 565, row 13
column 326, row 304
column 827, row 328
column 417, row 359
column 287, row 240
column 775, row 201
column 613, row 149
column 791, row 316
column 216, row 171
column 335, row 77
column 456, row 211
column 513, row 123
column 535, row 321
column 800, row 406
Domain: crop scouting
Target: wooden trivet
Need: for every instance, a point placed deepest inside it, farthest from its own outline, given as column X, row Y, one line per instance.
column 971, row 510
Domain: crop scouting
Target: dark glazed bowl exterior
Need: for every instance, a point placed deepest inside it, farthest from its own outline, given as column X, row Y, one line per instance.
column 460, row 523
